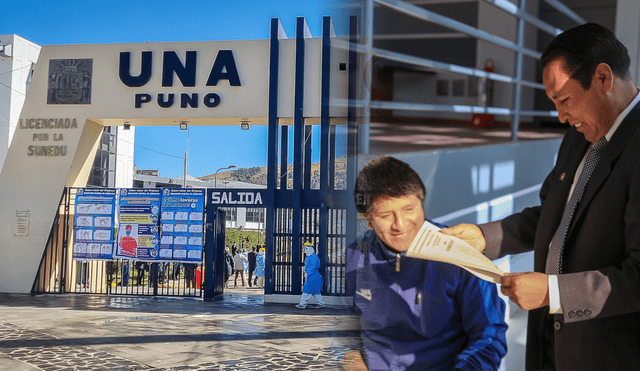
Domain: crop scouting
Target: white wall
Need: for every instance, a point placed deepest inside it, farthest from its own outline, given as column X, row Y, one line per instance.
column 627, row 30
column 15, row 70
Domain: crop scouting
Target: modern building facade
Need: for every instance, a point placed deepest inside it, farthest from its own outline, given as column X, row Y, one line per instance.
column 441, row 57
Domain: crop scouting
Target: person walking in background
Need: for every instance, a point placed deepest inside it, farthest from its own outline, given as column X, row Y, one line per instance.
column 175, row 274
column 252, row 263
column 314, row 282
column 141, row 267
column 259, row 272
column 228, row 266
column 125, row 273
column 246, row 262
column 162, row 273
column 234, row 249
column 238, row 262
column 190, row 275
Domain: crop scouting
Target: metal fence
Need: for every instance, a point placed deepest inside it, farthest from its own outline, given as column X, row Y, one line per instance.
column 59, row 273
column 419, row 10
column 332, row 267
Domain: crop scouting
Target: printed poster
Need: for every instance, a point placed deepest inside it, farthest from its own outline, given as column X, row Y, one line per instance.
column 94, row 223
column 182, row 224
column 139, row 210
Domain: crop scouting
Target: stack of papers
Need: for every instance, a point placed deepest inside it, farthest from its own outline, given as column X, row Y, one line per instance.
column 431, row 244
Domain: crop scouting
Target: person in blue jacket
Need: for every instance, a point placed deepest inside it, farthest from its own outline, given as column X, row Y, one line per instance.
column 415, row 314
column 313, row 284
column 259, row 272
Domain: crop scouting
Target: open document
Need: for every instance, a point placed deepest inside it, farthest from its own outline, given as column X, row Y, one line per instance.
column 431, row 244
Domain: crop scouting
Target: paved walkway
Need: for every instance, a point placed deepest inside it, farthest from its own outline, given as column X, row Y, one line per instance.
column 240, row 332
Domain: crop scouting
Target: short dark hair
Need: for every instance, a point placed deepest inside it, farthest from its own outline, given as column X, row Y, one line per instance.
column 385, row 177
column 583, row 48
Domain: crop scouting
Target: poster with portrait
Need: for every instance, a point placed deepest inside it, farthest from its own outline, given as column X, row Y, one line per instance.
column 94, row 221
column 182, row 224
column 137, row 237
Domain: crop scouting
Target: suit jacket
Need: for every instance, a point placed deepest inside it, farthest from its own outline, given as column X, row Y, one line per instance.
column 252, row 261
column 600, row 281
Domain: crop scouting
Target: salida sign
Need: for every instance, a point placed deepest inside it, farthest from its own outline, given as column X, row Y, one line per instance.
column 236, row 197
column 223, row 68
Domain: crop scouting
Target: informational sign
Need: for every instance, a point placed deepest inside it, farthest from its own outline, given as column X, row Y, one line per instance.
column 182, row 224
column 138, row 224
column 94, row 223
column 22, row 223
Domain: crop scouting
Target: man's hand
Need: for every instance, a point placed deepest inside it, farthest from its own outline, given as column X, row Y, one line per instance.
column 469, row 233
column 352, row 361
column 529, row 290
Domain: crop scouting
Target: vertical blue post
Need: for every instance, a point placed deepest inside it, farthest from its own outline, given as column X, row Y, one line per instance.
column 365, row 119
column 153, row 277
column 210, row 247
column 302, row 32
column 277, row 33
column 325, row 92
column 281, row 280
column 352, row 129
column 332, row 157
column 284, row 157
column 308, row 131
column 213, row 285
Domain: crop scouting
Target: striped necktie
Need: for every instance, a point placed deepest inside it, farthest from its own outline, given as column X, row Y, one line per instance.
column 554, row 257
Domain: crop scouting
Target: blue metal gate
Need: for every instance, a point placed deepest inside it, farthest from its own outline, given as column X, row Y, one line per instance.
column 297, row 212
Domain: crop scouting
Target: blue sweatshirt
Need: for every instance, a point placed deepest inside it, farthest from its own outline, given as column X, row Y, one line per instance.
column 418, row 314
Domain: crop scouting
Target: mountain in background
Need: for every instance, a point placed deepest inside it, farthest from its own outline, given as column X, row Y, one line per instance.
column 258, row 175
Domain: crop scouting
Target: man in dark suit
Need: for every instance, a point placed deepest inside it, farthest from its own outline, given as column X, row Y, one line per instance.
column 253, row 263
column 584, row 296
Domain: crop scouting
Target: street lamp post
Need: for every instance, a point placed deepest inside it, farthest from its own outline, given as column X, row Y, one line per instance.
column 215, row 184
column 185, row 126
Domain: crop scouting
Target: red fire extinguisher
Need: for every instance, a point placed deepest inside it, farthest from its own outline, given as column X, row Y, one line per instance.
column 483, row 120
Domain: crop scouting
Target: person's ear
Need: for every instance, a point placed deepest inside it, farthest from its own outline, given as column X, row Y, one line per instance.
column 603, row 77
column 367, row 217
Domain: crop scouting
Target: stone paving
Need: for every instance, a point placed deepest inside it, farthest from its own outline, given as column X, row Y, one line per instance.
column 240, row 332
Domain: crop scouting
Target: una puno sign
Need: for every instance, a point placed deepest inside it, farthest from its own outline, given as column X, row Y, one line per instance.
column 222, row 68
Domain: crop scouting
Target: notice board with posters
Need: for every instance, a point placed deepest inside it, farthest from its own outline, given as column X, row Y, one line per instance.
column 182, row 224
column 94, row 222
column 148, row 224
column 138, row 212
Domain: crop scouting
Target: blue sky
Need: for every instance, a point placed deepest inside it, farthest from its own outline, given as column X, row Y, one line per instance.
column 101, row 21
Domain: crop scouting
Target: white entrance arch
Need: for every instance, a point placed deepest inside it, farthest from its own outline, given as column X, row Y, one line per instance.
column 78, row 89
